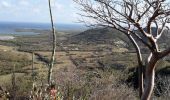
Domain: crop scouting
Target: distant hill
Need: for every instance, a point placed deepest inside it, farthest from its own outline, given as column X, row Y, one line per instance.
column 98, row 36
column 108, row 35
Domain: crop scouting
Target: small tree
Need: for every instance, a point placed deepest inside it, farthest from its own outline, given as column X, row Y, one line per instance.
column 128, row 16
column 54, row 45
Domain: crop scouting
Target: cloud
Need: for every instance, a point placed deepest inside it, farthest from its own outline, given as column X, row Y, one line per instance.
column 37, row 10
column 24, row 3
column 59, row 6
column 6, row 4
column 56, row 5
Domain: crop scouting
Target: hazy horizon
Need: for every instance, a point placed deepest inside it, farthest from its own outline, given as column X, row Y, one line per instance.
column 11, row 27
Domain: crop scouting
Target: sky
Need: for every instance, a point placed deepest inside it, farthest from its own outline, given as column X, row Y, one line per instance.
column 64, row 11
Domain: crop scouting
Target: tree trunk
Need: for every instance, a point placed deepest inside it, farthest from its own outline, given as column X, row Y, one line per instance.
column 150, row 77
column 140, row 76
column 140, row 65
column 149, row 85
column 54, row 45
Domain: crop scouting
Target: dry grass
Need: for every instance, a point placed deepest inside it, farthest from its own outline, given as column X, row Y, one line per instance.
column 121, row 92
column 86, row 81
column 6, row 79
column 6, row 48
column 120, row 50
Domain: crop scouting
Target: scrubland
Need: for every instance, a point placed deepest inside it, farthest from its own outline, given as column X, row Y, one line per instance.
column 81, row 72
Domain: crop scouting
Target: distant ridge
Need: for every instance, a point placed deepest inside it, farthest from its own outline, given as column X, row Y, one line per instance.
column 110, row 36
column 98, row 35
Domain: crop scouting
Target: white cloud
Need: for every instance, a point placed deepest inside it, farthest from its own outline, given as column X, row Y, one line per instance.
column 59, row 6
column 6, row 4
column 24, row 3
column 36, row 10
column 56, row 5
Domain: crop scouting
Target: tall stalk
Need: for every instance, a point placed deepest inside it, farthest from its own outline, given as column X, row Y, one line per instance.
column 32, row 66
column 54, row 45
column 13, row 82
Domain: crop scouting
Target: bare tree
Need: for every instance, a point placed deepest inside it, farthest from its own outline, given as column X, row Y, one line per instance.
column 54, row 45
column 134, row 18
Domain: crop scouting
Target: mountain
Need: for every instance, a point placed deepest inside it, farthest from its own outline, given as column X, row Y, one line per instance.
column 98, row 36
column 112, row 36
